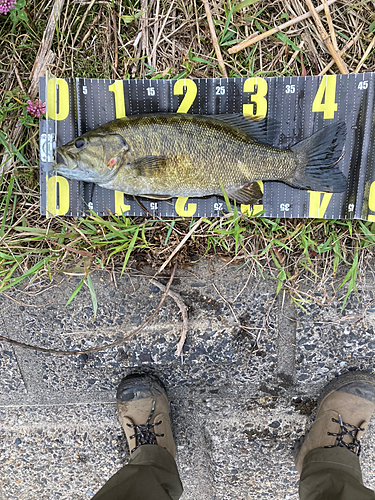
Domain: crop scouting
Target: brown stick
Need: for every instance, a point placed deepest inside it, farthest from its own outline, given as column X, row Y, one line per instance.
column 181, row 244
column 330, row 25
column 153, row 53
column 144, row 25
column 183, row 309
column 89, row 30
column 295, row 54
column 114, row 71
column 156, row 29
column 214, row 38
column 368, row 50
column 95, row 349
column 251, row 39
column 326, row 39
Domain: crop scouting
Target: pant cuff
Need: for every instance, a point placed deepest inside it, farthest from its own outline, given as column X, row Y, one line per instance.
column 153, row 454
column 336, row 458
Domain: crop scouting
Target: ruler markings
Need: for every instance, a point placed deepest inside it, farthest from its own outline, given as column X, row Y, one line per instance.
column 348, row 109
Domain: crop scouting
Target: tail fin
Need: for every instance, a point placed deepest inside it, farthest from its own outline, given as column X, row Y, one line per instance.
column 318, row 156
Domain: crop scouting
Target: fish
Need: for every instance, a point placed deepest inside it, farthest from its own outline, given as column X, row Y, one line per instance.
column 174, row 154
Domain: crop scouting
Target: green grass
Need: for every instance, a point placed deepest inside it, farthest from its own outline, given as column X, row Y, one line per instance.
column 32, row 247
column 282, row 249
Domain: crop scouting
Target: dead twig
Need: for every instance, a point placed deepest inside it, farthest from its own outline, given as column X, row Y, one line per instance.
column 90, row 28
column 95, row 349
column 254, row 39
column 214, row 38
column 156, row 30
column 330, row 25
column 327, row 39
column 183, row 309
column 144, row 27
column 114, row 71
column 295, row 54
column 181, row 244
column 225, row 300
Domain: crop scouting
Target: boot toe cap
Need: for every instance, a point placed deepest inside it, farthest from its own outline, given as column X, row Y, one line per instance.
column 134, row 387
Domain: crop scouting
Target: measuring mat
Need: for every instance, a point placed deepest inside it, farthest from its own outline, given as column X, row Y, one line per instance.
column 300, row 105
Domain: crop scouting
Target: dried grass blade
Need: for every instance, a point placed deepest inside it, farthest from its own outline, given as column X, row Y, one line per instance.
column 365, row 55
column 346, row 47
column 181, row 244
column 326, row 39
column 160, row 33
column 83, row 21
column 214, row 38
column 251, row 39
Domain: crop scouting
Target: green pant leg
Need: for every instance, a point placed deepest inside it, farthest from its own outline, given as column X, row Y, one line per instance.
column 332, row 474
column 151, row 474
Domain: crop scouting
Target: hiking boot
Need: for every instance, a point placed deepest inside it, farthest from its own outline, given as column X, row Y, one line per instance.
column 344, row 411
column 143, row 411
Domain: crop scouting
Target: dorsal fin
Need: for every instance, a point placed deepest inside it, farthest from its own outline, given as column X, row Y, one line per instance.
column 263, row 131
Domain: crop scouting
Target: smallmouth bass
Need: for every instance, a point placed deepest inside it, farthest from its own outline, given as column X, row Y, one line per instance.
column 170, row 155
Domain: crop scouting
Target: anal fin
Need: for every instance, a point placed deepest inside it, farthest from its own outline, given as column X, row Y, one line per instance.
column 250, row 194
column 160, row 197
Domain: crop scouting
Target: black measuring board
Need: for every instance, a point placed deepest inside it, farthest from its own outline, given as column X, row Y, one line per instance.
column 301, row 105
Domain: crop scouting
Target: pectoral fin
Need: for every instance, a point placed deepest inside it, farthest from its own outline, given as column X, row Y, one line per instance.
column 250, row 194
column 149, row 165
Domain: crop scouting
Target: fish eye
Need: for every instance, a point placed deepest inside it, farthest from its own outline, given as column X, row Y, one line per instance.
column 80, row 143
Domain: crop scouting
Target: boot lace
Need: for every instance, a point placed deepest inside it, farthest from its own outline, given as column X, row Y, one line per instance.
column 145, row 433
column 346, row 430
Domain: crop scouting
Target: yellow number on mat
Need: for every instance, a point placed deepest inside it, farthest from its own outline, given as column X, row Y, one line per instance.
column 371, row 201
column 118, row 89
column 53, row 184
column 191, row 92
column 258, row 106
column 318, row 207
column 62, row 103
column 119, row 203
column 326, row 91
column 251, row 210
column 180, row 207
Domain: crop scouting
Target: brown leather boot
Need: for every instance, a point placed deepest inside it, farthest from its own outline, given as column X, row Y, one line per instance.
column 143, row 411
column 345, row 408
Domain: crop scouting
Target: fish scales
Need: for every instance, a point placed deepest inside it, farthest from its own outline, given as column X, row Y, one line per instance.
column 196, row 154
column 189, row 155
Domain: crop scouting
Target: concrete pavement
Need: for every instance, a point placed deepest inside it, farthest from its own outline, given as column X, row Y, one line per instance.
column 244, row 391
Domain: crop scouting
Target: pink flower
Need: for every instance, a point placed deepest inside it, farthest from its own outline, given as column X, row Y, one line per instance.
column 36, row 108
column 6, row 6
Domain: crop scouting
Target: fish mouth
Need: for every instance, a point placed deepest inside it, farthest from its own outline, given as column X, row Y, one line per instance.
column 68, row 162
column 68, row 166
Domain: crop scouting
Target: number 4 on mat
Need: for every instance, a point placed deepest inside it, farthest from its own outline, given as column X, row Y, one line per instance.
column 324, row 101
